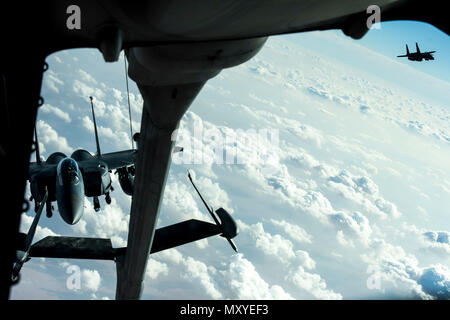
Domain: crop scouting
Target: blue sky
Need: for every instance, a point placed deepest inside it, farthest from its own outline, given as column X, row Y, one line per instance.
column 390, row 41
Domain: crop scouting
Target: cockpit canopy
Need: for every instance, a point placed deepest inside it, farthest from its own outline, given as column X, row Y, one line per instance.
column 67, row 171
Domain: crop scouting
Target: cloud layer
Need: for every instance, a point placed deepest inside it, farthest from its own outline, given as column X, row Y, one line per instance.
column 345, row 204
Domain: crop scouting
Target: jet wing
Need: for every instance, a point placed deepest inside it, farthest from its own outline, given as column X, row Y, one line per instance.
column 118, row 159
column 44, row 170
column 34, row 168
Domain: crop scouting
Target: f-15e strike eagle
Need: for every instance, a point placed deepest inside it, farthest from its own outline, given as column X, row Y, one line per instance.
column 417, row 56
column 69, row 179
column 173, row 48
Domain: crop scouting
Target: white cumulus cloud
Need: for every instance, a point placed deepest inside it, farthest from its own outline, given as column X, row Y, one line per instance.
column 90, row 280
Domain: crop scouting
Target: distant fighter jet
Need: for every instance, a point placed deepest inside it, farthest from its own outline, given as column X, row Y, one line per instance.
column 69, row 179
column 418, row 56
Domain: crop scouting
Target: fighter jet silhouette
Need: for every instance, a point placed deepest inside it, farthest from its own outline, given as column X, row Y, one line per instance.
column 418, row 56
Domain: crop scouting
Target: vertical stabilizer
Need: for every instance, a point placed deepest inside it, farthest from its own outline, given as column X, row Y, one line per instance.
column 407, row 50
column 38, row 154
column 128, row 97
column 95, row 129
column 417, row 48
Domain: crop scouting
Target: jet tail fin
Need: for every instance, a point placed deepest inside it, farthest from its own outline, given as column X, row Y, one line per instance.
column 417, row 48
column 95, row 128
column 407, row 50
column 38, row 154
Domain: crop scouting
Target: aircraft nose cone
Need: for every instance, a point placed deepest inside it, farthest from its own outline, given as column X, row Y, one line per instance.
column 71, row 204
column 73, row 214
column 71, row 211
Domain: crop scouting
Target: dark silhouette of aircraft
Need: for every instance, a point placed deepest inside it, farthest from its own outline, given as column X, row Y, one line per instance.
column 69, row 179
column 418, row 56
column 172, row 52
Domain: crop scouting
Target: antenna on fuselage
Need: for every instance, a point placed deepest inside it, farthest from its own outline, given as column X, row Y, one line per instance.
column 223, row 214
column 95, row 129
